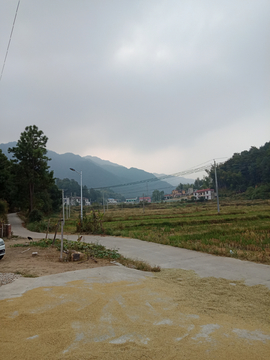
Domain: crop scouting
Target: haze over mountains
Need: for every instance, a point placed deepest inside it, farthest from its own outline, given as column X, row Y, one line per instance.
column 98, row 173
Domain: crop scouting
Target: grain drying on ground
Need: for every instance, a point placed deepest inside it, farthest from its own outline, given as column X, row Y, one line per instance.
column 171, row 315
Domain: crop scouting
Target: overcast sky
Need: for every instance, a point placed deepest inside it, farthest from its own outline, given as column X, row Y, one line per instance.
column 158, row 85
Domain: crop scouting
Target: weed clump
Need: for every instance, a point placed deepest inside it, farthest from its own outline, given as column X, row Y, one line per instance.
column 91, row 224
column 138, row 264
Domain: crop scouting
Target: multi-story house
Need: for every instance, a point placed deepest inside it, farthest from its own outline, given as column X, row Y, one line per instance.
column 208, row 194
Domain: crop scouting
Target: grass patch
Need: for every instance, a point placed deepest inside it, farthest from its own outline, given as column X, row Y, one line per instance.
column 90, row 249
column 25, row 274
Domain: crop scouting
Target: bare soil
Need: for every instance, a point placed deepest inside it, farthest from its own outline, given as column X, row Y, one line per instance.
column 20, row 260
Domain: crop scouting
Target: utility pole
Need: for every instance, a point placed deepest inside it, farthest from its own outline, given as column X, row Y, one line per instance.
column 81, row 200
column 67, row 209
column 103, row 203
column 81, row 193
column 62, row 226
column 63, row 204
column 143, row 203
column 216, row 186
column 62, row 238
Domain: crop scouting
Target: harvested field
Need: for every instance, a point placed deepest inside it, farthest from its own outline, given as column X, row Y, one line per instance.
column 240, row 230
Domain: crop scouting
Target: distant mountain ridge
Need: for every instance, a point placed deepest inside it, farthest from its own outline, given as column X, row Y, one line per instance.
column 99, row 161
column 98, row 173
column 175, row 180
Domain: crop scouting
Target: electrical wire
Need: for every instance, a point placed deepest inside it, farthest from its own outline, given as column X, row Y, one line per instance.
column 141, row 189
column 10, row 37
column 186, row 172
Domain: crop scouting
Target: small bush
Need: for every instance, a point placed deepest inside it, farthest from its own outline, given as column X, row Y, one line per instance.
column 35, row 216
column 92, row 224
column 40, row 226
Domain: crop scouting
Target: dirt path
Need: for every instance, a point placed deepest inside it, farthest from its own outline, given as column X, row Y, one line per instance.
column 20, row 260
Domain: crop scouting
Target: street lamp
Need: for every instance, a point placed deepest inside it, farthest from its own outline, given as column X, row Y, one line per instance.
column 81, row 192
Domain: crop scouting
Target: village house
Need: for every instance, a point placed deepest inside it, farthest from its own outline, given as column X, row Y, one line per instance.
column 176, row 193
column 76, row 200
column 168, row 196
column 132, row 201
column 208, row 194
column 111, row 201
column 145, row 199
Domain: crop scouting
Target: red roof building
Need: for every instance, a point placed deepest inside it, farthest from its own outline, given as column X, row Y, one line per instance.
column 208, row 194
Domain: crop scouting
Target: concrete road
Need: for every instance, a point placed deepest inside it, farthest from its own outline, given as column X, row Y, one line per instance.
column 165, row 256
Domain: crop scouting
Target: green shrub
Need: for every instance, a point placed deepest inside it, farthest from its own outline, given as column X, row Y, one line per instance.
column 35, row 215
column 259, row 192
column 39, row 226
column 92, row 224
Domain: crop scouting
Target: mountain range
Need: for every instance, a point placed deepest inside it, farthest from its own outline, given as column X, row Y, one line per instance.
column 98, row 173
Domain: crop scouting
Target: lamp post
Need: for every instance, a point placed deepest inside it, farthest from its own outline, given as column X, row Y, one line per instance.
column 81, row 192
column 216, row 185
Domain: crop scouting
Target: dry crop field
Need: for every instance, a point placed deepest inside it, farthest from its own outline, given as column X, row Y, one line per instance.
column 241, row 229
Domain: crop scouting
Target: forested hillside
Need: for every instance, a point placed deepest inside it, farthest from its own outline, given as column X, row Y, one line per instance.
column 248, row 171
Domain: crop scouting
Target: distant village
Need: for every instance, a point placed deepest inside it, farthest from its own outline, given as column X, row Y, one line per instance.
column 176, row 195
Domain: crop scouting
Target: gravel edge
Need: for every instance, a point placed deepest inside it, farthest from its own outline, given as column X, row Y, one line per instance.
column 7, row 278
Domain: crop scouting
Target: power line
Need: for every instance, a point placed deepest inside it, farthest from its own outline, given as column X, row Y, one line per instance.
column 186, row 172
column 10, row 39
column 195, row 169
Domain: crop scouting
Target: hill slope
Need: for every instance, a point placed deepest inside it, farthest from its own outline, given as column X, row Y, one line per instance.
column 100, row 173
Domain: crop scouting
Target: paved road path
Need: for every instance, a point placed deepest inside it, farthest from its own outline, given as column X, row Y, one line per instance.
column 170, row 257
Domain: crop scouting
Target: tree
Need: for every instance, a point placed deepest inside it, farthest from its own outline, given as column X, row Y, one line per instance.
column 185, row 187
column 34, row 179
column 157, row 196
column 244, row 170
column 5, row 177
column 71, row 187
column 180, row 187
column 198, row 183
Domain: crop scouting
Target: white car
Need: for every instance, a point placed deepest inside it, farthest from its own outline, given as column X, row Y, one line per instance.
column 2, row 248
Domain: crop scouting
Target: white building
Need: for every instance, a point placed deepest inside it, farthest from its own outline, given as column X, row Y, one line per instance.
column 208, row 194
column 132, row 201
column 76, row 200
column 111, row 201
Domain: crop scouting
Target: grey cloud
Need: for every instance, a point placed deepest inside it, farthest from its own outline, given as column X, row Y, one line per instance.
column 136, row 76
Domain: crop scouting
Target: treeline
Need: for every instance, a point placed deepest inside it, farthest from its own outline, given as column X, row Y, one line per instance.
column 246, row 172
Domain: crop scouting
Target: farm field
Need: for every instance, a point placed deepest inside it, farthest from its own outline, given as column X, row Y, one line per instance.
column 241, row 229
